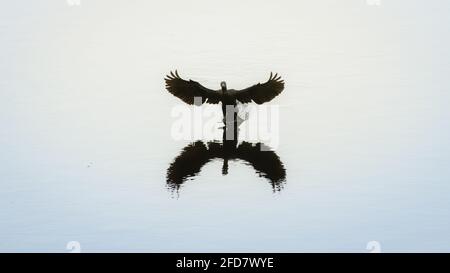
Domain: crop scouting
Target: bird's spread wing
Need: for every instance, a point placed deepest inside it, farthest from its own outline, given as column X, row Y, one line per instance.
column 261, row 92
column 190, row 161
column 188, row 90
column 266, row 163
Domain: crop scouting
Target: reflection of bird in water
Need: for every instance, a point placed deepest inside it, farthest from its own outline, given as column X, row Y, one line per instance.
column 189, row 90
column 193, row 157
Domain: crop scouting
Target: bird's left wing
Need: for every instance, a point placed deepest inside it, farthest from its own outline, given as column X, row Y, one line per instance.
column 266, row 163
column 261, row 92
column 188, row 90
column 190, row 161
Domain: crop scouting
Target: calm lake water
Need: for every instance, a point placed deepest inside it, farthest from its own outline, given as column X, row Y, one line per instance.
column 87, row 149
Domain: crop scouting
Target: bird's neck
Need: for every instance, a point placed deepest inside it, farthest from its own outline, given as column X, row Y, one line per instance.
column 224, row 89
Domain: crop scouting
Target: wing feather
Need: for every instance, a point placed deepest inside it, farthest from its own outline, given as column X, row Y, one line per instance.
column 266, row 163
column 188, row 90
column 261, row 93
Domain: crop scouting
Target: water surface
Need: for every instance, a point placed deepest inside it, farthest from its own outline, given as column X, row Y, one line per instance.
column 85, row 126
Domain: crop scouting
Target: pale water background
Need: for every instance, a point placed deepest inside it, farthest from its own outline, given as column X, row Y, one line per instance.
column 85, row 125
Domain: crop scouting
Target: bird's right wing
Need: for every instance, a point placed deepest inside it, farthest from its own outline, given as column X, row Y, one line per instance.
column 190, row 161
column 261, row 92
column 266, row 163
column 188, row 90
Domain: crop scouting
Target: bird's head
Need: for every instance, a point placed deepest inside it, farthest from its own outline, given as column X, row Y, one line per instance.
column 223, row 85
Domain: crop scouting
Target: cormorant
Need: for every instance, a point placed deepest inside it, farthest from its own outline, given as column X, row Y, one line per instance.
column 188, row 90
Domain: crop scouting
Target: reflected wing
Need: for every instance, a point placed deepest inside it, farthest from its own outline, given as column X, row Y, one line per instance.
column 261, row 93
column 194, row 156
column 188, row 90
column 190, row 161
column 266, row 163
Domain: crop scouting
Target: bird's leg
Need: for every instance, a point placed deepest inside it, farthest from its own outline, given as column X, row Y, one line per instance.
column 228, row 146
column 224, row 112
column 225, row 166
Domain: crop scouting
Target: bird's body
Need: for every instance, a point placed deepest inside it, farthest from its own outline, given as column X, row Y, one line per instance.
column 228, row 99
column 193, row 92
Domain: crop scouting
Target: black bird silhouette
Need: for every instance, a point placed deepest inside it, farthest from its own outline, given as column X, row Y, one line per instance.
column 193, row 157
column 188, row 90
